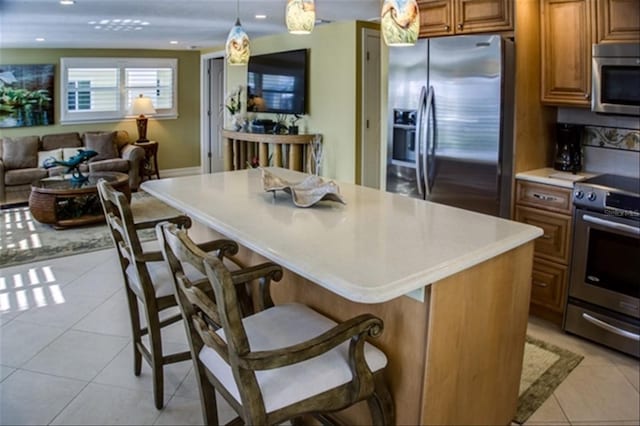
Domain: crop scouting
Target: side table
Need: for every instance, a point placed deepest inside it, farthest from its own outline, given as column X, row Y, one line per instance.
column 149, row 166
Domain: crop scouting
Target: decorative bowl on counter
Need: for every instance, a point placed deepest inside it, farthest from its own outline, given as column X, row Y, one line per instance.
column 306, row 193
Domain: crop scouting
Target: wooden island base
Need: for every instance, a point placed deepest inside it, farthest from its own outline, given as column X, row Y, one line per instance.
column 455, row 358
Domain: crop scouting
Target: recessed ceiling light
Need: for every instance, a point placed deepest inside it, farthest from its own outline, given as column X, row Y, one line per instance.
column 261, row 16
column 118, row 24
column 173, row 42
column 67, row 2
column 39, row 39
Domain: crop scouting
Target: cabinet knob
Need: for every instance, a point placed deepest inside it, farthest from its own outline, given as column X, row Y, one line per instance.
column 586, row 96
column 447, row 28
column 460, row 26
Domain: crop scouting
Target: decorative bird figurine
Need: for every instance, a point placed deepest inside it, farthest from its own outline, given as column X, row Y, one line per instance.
column 73, row 164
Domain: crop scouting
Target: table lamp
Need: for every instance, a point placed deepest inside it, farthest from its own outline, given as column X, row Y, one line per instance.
column 141, row 107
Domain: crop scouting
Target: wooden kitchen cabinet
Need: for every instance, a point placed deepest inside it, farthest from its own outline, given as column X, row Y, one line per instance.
column 618, row 21
column 449, row 17
column 567, row 33
column 569, row 29
column 550, row 208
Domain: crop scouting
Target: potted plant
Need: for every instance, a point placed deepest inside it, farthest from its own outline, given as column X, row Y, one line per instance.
column 234, row 106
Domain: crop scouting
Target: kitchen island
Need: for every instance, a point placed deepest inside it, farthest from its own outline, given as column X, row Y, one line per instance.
column 451, row 286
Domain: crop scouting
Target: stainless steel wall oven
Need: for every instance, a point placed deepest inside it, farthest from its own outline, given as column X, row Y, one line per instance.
column 604, row 289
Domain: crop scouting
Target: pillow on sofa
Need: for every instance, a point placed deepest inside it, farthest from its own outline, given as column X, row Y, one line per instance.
column 121, row 139
column 20, row 153
column 102, row 143
column 61, row 140
column 56, row 154
column 67, row 153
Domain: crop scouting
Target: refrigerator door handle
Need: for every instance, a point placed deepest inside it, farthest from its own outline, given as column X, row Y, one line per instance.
column 419, row 138
column 426, row 177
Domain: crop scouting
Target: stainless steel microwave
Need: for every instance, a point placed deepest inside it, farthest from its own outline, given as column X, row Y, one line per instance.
column 615, row 85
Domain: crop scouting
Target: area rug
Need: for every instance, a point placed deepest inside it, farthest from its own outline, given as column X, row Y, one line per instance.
column 25, row 240
column 545, row 366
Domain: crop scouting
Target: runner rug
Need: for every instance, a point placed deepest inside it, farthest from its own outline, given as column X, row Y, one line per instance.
column 545, row 366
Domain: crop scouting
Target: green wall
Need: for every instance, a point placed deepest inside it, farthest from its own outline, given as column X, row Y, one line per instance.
column 332, row 89
column 179, row 138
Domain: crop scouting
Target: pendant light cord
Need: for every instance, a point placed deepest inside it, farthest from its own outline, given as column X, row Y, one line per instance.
column 238, row 9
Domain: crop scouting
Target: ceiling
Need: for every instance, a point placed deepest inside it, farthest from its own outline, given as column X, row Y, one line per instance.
column 153, row 24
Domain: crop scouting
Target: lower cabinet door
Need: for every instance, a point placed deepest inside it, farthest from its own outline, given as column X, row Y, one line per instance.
column 555, row 243
column 548, row 285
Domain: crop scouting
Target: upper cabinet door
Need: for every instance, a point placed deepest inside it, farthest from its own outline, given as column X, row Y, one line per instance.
column 474, row 16
column 618, row 21
column 449, row 17
column 436, row 18
column 567, row 36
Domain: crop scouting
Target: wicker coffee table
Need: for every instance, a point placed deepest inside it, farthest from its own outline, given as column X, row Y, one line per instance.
column 60, row 202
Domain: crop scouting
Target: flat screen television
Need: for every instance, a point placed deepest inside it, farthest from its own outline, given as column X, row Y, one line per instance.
column 277, row 82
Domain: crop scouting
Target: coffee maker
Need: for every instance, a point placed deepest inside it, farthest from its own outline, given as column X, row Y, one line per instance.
column 568, row 156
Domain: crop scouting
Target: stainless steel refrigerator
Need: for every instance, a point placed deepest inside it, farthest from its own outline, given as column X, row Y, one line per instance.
column 450, row 115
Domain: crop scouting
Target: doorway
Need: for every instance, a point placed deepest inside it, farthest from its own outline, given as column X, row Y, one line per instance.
column 370, row 101
column 212, row 115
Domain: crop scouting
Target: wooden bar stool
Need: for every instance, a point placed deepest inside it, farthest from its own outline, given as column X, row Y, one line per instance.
column 280, row 363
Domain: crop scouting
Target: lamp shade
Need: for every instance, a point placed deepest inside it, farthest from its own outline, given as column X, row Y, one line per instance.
column 237, row 48
column 400, row 22
column 142, row 106
column 300, row 16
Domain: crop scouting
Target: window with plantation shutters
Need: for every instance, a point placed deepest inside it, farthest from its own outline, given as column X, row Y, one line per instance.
column 102, row 89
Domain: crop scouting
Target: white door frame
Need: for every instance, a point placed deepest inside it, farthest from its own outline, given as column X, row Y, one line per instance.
column 205, row 162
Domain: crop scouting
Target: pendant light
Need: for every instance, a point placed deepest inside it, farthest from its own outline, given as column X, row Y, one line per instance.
column 300, row 16
column 400, row 22
column 237, row 47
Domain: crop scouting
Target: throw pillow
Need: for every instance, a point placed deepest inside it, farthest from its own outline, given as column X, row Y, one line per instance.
column 67, row 153
column 20, row 153
column 61, row 140
column 102, row 143
column 121, row 139
column 56, row 154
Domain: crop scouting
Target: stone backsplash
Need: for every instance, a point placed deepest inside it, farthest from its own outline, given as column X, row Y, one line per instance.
column 607, row 137
column 610, row 142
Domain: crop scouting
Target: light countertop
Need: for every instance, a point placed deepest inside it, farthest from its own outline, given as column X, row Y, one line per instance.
column 377, row 247
column 554, row 177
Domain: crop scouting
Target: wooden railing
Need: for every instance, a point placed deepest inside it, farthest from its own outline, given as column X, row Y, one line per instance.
column 290, row 151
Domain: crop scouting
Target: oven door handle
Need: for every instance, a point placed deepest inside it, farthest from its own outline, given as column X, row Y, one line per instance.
column 611, row 328
column 607, row 223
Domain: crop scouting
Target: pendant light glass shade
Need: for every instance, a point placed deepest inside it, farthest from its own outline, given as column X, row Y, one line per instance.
column 400, row 22
column 237, row 47
column 300, row 16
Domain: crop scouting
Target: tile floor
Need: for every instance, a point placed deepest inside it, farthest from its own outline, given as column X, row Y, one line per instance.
column 65, row 358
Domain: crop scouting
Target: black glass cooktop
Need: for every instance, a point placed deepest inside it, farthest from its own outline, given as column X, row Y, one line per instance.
column 615, row 182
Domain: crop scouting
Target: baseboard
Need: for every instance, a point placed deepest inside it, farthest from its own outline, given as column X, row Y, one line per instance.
column 185, row 171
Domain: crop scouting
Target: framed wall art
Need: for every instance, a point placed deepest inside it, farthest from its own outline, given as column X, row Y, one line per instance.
column 26, row 95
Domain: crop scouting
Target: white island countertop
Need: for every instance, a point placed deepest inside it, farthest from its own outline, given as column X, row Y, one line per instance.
column 377, row 247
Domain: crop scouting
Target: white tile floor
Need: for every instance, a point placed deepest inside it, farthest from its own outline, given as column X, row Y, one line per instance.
column 65, row 358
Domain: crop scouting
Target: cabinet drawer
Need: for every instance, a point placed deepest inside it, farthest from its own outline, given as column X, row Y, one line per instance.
column 548, row 284
column 554, row 243
column 545, row 197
